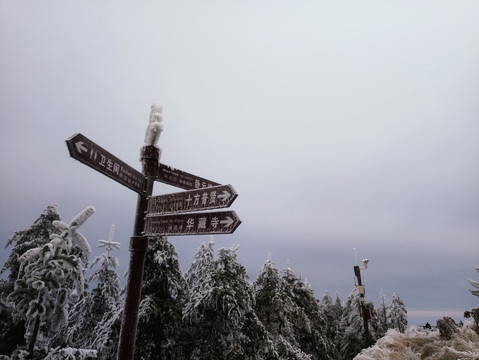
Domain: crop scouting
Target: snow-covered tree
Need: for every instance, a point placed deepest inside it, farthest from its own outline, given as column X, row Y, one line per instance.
column 373, row 322
column 276, row 309
column 198, row 279
column 48, row 276
column 159, row 321
column 269, row 305
column 219, row 311
column 90, row 324
column 352, row 341
column 13, row 327
column 332, row 315
column 35, row 236
column 397, row 314
column 382, row 326
column 309, row 324
column 338, row 305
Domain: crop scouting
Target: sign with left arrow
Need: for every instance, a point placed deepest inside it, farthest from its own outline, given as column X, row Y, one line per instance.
column 86, row 151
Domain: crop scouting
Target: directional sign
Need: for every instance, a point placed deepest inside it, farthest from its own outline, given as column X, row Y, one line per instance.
column 219, row 222
column 216, row 197
column 171, row 176
column 89, row 153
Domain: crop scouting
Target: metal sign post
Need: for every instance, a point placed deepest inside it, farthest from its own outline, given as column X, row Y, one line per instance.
column 138, row 247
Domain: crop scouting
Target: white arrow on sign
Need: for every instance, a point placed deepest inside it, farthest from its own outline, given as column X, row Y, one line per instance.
column 227, row 222
column 80, row 147
column 225, row 196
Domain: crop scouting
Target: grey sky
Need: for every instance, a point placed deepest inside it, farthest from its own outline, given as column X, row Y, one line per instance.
column 340, row 124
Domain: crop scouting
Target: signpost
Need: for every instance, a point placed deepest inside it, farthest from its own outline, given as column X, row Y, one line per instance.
column 219, row 222
column 165, row 214
column 83, row 149
column 214, row 197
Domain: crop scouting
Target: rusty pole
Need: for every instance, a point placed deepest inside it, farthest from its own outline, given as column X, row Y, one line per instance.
column 150, row 156
column 364, row 311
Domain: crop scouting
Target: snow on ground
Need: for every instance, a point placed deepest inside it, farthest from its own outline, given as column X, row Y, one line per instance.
column 419, row 344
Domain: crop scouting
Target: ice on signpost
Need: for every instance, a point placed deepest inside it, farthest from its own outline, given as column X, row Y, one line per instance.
column 155, row 127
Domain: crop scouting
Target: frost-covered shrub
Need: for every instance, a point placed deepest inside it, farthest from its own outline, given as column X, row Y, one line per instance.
column 447, row 327
column 417, row 343
column 474, row 313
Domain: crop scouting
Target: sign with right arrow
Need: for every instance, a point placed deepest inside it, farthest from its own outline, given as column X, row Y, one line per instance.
column 219, row 222
column 165, row 212
column 207, row 198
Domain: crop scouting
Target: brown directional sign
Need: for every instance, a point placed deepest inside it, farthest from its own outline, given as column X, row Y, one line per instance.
column 171, row 176
column 216, row 197
column 86, row 151
column 219, row 222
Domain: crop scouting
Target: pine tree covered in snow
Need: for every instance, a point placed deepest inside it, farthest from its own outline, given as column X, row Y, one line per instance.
column 373, row 322
column 12, row 328
column 90, row 324
column 49, row 275
column 198, row 280
column 397, row 314
column 352, row 341
column 35, row 236
column 276, row 309
column 159, row 321
column 308, row 321
column 382, row 326
column 269, row 305
column 219, row 312
column 332, row 315
column 339, row 309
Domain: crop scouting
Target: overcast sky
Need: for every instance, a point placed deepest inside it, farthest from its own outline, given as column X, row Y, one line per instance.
column 341, row 125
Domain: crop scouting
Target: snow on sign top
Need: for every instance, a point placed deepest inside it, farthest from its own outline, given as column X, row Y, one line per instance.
column 86, row 151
